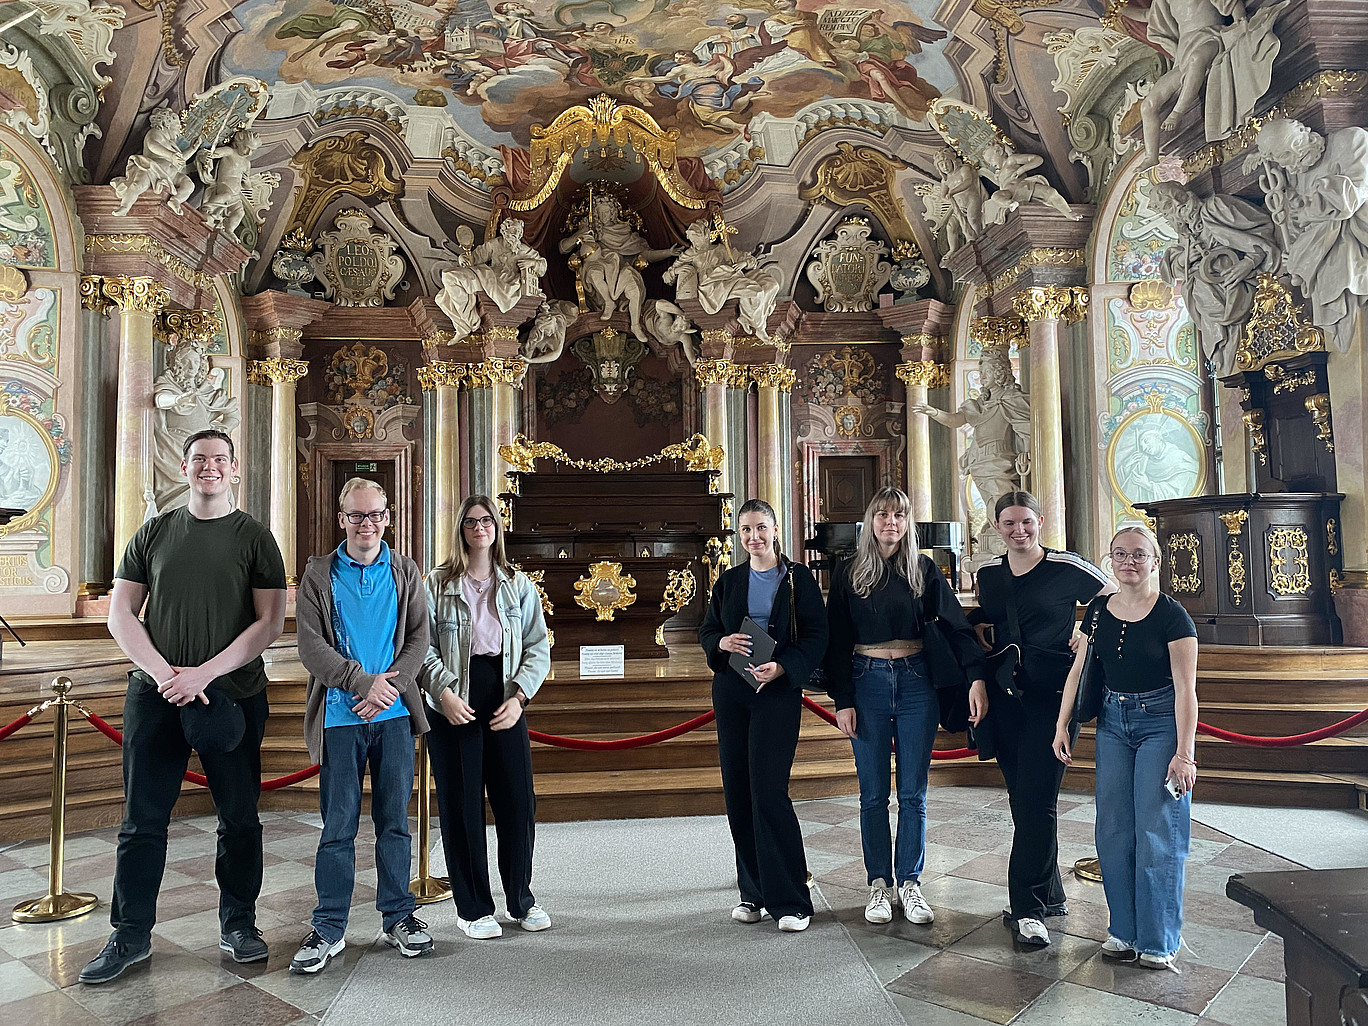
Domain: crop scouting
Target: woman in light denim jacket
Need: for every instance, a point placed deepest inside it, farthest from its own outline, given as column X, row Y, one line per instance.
column 488, row 655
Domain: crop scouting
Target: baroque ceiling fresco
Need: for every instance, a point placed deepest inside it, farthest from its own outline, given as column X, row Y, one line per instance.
column 705, row 70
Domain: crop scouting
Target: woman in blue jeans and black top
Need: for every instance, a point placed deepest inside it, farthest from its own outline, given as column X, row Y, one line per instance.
column 878, row 607
column 1047, row 587
column 757, row 724
column 1145, row 647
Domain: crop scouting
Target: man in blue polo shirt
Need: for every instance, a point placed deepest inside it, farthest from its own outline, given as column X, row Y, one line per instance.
column 362, row 626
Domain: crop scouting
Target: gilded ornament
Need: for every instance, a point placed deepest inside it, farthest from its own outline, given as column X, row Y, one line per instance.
column 726, row 514
column 149, row 246
column 497, row 371
column 1276, row 328
column 1258, row 442
column 1332, row 536
column 605, row 590
column 1319, row 408
column 522, row 454
column 13, row 284
column 92, row 295
column 1151, row 294
column 770, row 375
column 280, row 338
column 866, row 176
column 1288, row 382
column 923, row 339
column 1041, row 257
column 849, row 421
column 360, row 421
column 1235, row 571
column 505, row 513
column 190, row 325
column 1051, row 303
column 925, row 374
column 1336, row 580
column 1234, row 521
column 713, row 552
column 140, row 294
column 716, row 372
column 438, row 337
column 679, row 590
column 341, row 165
column 441, row 374
column 42, row 448
column 1189, row 583
column 1288, row 561
column 279, row 371
column 997, row 332
column 660, row 636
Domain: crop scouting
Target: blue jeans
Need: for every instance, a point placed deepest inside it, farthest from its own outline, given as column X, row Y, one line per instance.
column 894, row 698
column 1142, row 832
column 388, row 749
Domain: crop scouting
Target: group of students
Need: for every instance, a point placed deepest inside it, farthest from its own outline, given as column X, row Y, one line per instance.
column 458, row 656
column 899, row 656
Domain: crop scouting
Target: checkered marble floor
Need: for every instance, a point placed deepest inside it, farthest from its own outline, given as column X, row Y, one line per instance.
column 961, row 971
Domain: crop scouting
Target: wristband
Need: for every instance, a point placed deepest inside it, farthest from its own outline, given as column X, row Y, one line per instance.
column 524, row 700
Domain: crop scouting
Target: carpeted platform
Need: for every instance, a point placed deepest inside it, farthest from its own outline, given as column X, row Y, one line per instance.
column 641, row 933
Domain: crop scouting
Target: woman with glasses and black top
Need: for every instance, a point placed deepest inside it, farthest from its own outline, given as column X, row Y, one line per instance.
column 1145, row 648
column 757, row 716
column 881, row 608
column 489, row 654
column 1030, row 598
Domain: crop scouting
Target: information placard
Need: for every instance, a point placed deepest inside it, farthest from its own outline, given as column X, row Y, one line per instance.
column 603, row 660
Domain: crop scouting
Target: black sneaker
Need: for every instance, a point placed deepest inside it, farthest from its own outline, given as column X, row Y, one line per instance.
column 244, row 944
column 114, row 960
column 409, row 935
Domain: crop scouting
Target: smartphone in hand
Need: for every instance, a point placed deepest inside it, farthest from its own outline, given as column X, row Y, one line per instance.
column 1171, row 786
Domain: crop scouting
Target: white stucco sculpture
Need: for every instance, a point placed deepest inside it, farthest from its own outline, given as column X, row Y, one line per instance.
column 670, row 326
column 505, row 270
column 1223, row 244
column 546, row 337
column 226, row 172
column 955, row 203
column 159, row 167
column 610, row 251
column 998, row 451
column 1016, row 185
column 189, row 397
column 1215, row 45
column 709, row 272
column 1316, row 188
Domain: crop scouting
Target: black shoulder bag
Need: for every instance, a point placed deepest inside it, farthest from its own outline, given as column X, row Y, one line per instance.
column 1088, row 701
column 1003, row 662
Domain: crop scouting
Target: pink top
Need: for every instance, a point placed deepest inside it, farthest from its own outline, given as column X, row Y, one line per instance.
column 486, row 633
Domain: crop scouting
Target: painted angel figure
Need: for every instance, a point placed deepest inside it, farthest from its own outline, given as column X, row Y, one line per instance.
column 1017, row 186
column 160, row 166
column 708, row 272
column 955, row 203
column 228, row 186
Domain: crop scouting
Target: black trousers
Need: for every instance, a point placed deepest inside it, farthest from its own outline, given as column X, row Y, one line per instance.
column 757, row 735
column 469, row 761
column 155, row 755
column 1024, row 733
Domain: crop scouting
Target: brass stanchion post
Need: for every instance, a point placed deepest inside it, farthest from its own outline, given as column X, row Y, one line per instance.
column 57, row 904
column 1088, row 869
column 425, row 887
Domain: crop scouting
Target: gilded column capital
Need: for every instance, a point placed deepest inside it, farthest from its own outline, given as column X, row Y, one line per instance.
column 717, row 372
column 497, row 370
column 441, row 374
column 92, row 294
column 1067, row 303
column 924, row 373
column 276, row 371
column 140, row 294
column 771, row 375
column 278, row 336
column 997, row 332
column 191, row 325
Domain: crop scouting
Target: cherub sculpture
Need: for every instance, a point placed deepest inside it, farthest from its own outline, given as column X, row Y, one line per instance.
column 228, row 187
column 1016, row 185
column 546, row 338
column 160, row 166
column 670, row 326
column 955, row 203
column 708, row 272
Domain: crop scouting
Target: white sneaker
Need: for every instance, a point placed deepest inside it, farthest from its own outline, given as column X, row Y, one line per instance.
column 878, row 909
column 536, row 920
column 794, row 924
column 484, row 928
column 1148, row 961
column 1032, row 933
column 914, row 905
column 747, row 912
column 1118, row 951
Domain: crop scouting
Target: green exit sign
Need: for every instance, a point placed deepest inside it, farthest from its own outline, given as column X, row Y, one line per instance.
column 367, row 468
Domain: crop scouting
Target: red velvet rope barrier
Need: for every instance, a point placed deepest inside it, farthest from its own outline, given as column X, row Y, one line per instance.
column 937, row 755
column 199, row 778
column 19, row 724
column 1284, row 742
column 641, row 741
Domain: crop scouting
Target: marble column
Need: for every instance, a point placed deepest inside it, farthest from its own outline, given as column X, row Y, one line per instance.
column 775, row 383
column 283, row 375
column 501, row 379
column 443, row 379
column 96, row 562
column 139, row 300
column 714, row 378
column 919, row 377
column 1046, row 309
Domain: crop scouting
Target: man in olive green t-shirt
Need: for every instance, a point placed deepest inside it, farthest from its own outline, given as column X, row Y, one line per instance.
column 214, row 585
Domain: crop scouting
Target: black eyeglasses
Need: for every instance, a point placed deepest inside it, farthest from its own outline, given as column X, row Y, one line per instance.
column 358, row 518
column 470, row 523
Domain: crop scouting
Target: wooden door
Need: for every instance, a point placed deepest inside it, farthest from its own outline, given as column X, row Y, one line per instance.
column 847, row 485
column 379, row 471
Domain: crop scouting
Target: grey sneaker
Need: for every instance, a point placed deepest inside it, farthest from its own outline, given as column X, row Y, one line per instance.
column 114, row 960
column 314, row 954
column 410, row 936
